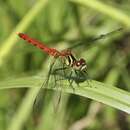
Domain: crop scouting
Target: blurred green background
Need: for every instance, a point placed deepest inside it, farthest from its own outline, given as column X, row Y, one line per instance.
column 61, row 24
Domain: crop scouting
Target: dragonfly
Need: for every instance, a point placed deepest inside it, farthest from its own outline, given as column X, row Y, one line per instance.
column 75, row 66
column 68, row 59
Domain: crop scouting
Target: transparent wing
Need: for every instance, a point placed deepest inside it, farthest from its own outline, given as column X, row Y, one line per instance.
column 51, row 81
column 82, row 41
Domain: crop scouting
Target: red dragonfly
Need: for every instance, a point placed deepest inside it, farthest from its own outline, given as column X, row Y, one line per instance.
column 78, row 65
column 68, row 61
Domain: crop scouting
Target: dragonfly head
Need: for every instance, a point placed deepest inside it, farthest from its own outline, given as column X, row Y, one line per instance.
column 81, row 65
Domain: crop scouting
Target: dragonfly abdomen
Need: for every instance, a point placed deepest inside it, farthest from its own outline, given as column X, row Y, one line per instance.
column 50, row 51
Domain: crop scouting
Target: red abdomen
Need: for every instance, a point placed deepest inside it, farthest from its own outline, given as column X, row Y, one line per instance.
column 40, row 45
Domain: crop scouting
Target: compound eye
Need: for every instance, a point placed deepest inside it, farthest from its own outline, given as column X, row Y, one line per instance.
column 82, row 61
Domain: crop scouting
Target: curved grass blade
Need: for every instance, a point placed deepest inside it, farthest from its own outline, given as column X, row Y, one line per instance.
column 98, row 91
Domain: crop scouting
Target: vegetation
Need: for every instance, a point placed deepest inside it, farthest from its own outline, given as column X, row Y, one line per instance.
column 101, row 102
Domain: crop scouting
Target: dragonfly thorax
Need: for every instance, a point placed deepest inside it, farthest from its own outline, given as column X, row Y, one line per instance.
column 80, row 65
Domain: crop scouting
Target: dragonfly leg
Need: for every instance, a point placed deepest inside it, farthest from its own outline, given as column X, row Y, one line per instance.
column 55, row 73
column 64, row 75
column 88, row 81
column 71, row 80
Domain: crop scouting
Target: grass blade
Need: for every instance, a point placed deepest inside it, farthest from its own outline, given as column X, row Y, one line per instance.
column 95, row 90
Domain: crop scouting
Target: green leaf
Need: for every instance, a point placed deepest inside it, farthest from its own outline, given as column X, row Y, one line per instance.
column 95, row 90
